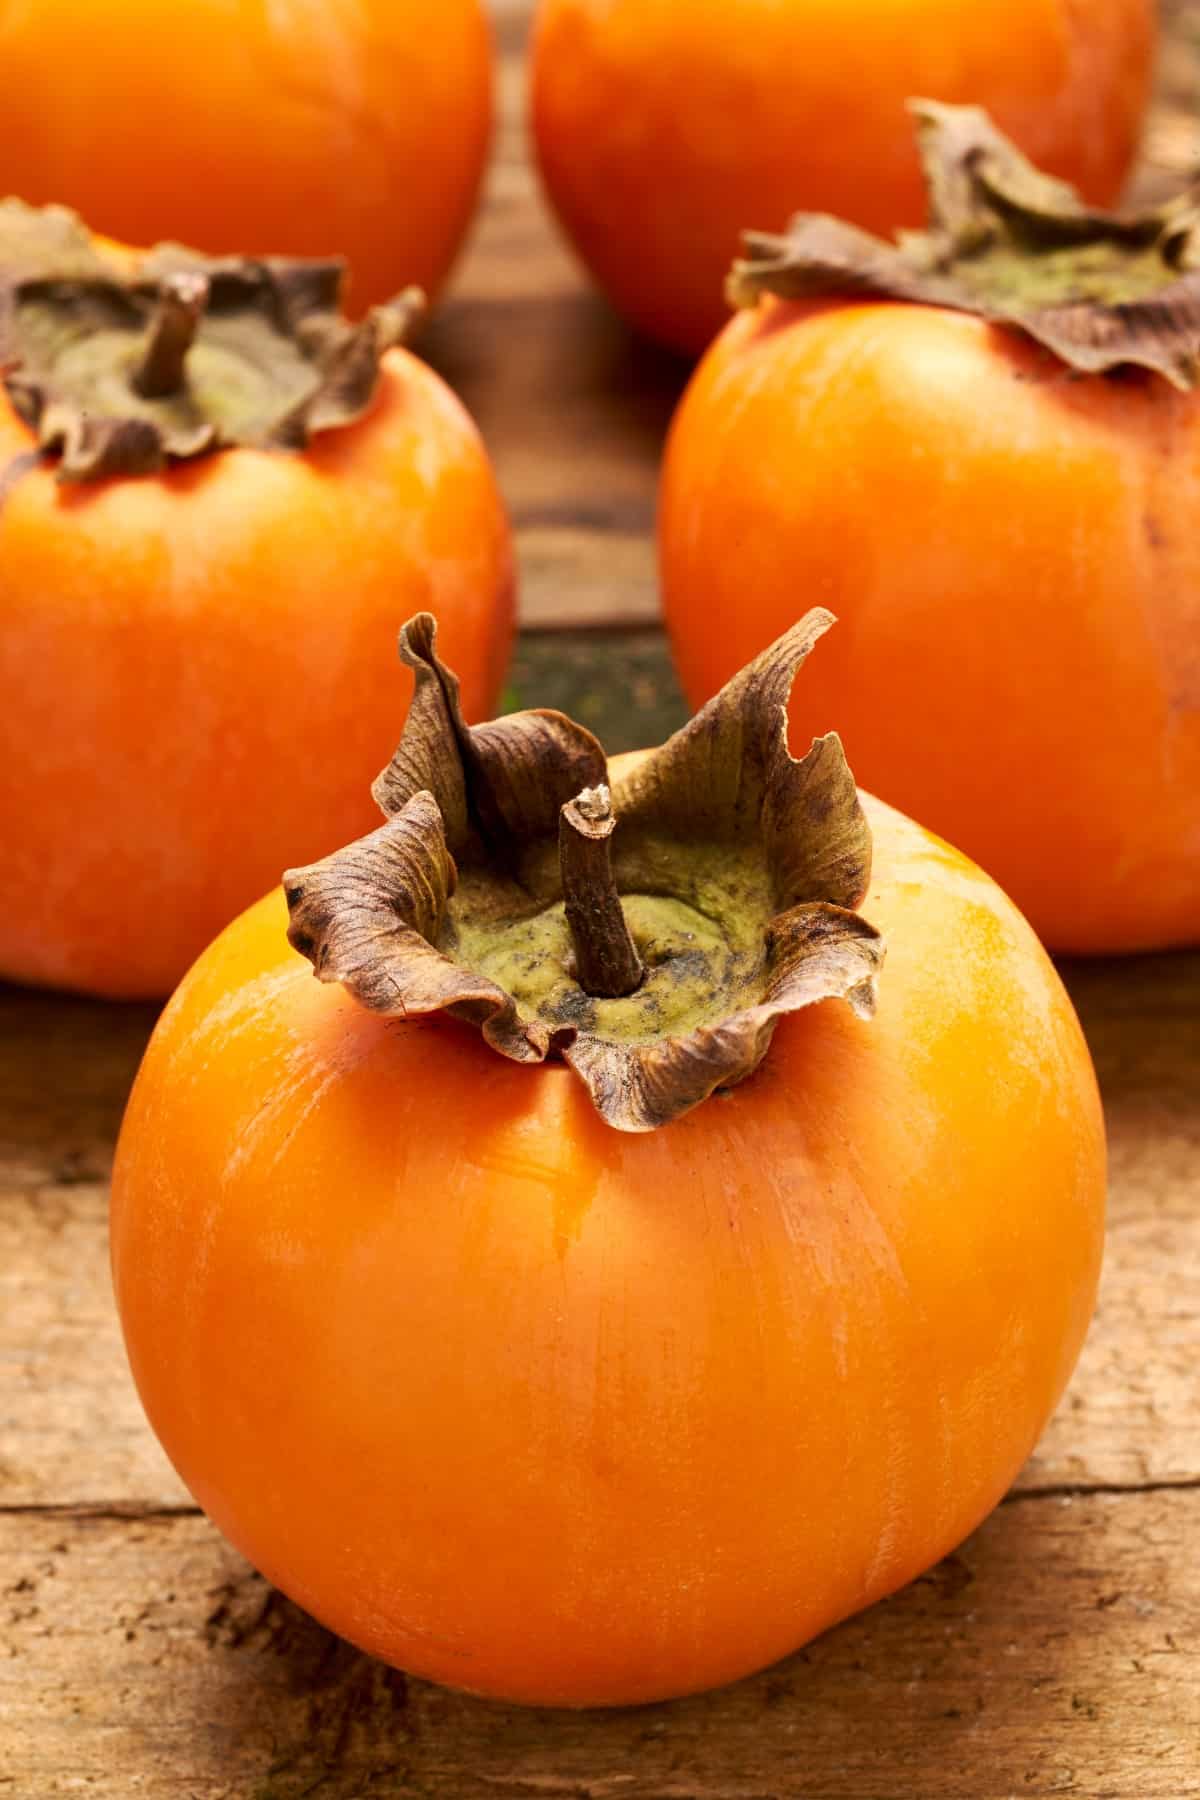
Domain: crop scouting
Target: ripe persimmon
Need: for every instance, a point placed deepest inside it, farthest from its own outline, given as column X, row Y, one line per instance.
column 178, row 615
column 662, row 129
column 565, row 1413
column 997, row 501
column 355, row 128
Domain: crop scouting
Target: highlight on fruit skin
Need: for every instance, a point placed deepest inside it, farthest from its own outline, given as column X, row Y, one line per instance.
column 663, row 129
column 693, row 1393
column 218, row 496
column 978, row 445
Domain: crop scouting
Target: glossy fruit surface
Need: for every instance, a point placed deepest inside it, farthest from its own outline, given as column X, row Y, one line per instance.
column 541, row 1409
column 664, row 130
column 350, row 127
column 200, row 671
column 1008, row 549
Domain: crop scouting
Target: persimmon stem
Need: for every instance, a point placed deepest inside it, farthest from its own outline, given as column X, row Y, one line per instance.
column 607, row 965
column 181, row 302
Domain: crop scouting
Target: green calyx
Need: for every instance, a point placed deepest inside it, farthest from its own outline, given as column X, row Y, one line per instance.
column 699, row 949
column 1013, row 246
column 649, row 926
column 121, row 371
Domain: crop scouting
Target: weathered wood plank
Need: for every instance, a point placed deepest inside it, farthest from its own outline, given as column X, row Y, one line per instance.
column 70, row 1427
column 73, row 1433
column 1133, row 1412
column 1057, row 1654
column 574, row 411
column 572, row 406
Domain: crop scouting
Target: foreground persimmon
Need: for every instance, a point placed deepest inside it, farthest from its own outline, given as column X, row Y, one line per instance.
column 355, row 128
column 550, row 1410
column 982, row 448
column 663, row 127
column 216, row 501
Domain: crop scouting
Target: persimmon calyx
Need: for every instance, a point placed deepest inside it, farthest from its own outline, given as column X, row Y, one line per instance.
column 122, row 370
column 735, row 871
column 1014, row 246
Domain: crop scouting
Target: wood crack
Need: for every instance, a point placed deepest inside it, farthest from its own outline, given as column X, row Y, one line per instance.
column 137, row 1511
column 1067, row 1490
column 110, row 1511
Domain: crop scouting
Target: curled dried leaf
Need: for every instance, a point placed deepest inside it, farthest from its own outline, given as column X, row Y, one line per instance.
column 48, row 243
column 369, row 915
column 729, row 775
column 652, row 939
column 501, row 785
column 817, row 953
column 1014, row 246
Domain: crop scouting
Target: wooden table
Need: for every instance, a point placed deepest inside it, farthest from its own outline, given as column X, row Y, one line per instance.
column 1058, row 1652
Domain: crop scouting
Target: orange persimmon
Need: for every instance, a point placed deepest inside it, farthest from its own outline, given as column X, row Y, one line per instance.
column 355, row 128
column 1006, row 538
column 662, row 129
column 167, row 638
column 543, row 1409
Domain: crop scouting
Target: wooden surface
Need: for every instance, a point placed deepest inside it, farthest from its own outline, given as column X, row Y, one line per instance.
column 1057, row 1653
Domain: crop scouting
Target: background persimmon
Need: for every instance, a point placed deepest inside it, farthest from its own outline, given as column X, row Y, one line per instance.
column 544, row 1409
column 662, row 129
column 1006, row 539
column 168, row 639
column 355, row 128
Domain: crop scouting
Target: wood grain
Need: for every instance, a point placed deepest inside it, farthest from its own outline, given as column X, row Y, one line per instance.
column 573, row 407
column 1055, row 1655
column 1133, row 1412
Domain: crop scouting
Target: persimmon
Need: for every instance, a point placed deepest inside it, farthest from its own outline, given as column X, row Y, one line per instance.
column 663, row 128
column 354, row 128
column 508, row 1352
column 206, row 549
column 954, row 446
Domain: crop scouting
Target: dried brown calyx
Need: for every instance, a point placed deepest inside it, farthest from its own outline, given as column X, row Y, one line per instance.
column 650, row 925
column 122, row 368
column 1014, row 246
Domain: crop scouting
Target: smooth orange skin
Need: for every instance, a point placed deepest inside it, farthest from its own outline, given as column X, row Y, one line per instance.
column 1011, row 553
column 200, row 672
column 664, row 129
column 545, row 1411
column 357, row 128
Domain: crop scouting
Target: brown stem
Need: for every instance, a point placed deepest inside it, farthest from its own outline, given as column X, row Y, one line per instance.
column 607, row 965
column 181, row 302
